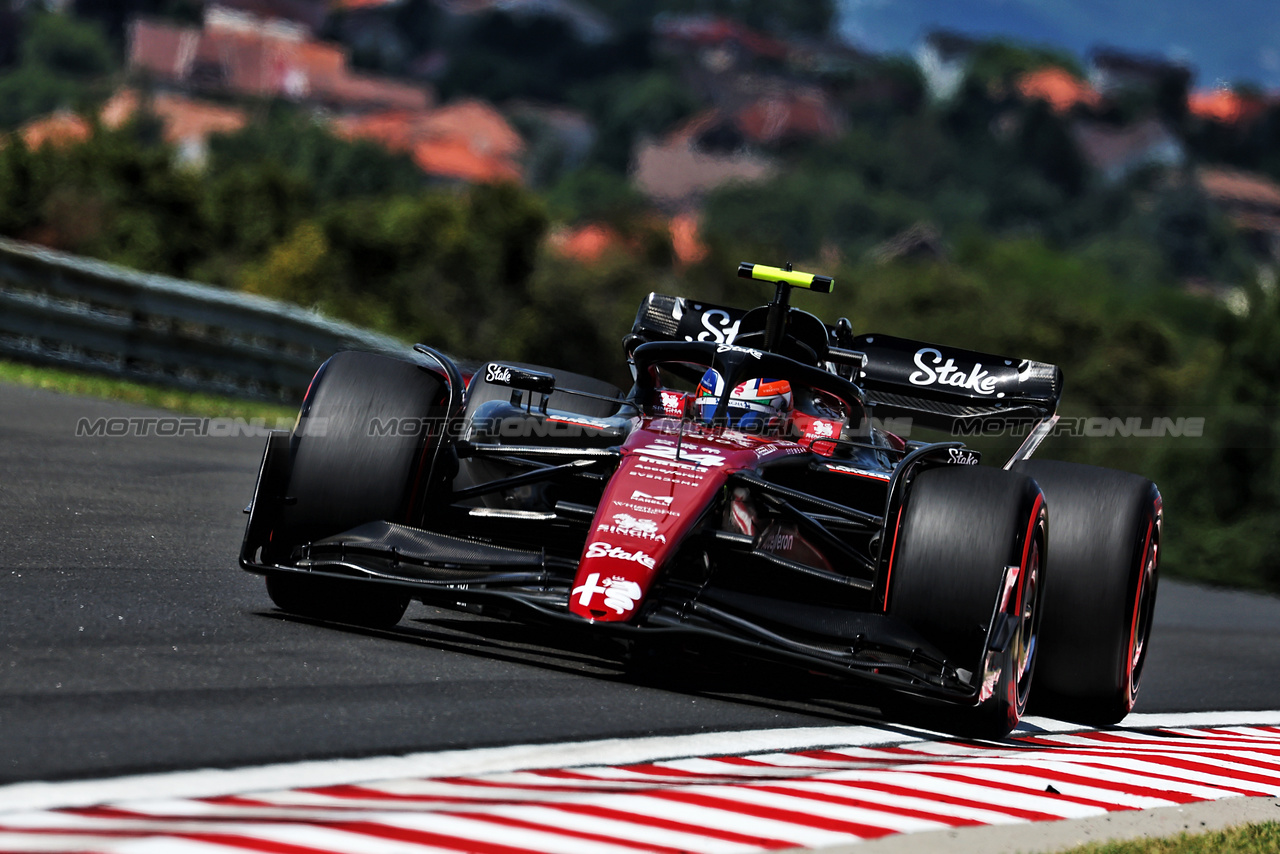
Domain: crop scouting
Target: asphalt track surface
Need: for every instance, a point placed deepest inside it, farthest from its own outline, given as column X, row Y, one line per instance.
column 131, row 642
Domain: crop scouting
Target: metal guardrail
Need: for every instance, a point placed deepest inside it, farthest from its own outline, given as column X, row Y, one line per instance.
column 62, row 309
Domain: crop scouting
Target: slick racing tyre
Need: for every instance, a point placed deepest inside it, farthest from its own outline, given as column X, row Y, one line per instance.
column 972, row 545
column 360, row 453
column 336, row 599
column 1105, row 542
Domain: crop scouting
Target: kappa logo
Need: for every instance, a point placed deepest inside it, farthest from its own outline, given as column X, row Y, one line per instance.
column 933, row 371
column 629, row 526
column 498, row 374
column 646, row 498
column 601, row 549
column 619, row 594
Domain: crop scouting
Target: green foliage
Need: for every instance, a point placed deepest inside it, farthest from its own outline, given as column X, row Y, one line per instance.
column 593, row 193
column 627, row 107
column 1229, row 485
column 63, row 63
column 83, row 384
column 1000, row 62
column 329, row 168
column 509, row 56
column 67, row 47
column 436, row 266
column 108, row 197
column 1261, row 838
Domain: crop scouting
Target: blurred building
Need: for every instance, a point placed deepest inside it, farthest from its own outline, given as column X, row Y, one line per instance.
column 1114, row 72
column 1225, row 106
column 1059, row 88
column 186, row 123
column 1115, row 152
column 1252, row 203
column 944, row 58
column 708, row 151
column 464, row 141
column 238, row 53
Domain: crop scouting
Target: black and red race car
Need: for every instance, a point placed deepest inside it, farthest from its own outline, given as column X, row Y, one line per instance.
column 744, row 490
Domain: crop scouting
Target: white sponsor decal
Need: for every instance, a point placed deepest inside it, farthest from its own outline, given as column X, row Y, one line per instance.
column 787, row 449
column 497, row 374
column 619, row 594
column 776, row 541
column 962, row 457
column 821, row 429
column 733, row 348
column 672, row 403
column 879, row 475
column 718, row 327
column 646, row 498
column 599, row 549
column 934, row 371
column 627, row 525
column 642, row 508
column 688, row 454
column 579, row 421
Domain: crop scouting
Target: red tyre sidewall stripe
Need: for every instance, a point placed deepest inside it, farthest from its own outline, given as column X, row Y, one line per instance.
column 1130, row 688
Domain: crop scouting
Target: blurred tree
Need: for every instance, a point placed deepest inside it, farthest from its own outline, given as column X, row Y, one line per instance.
column 113, row 16
column 594, row 193
column 63, row 63
column 331, row 168
column 508, row 56
column 10, row 35
column 998, row 63
column 628, row 107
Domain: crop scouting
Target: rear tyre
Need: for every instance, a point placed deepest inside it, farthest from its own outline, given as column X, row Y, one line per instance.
column 971, row 548
column 1106, row 560
column 361, row 453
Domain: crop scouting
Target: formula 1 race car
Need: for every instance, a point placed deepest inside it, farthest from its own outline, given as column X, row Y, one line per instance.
column 745, row 490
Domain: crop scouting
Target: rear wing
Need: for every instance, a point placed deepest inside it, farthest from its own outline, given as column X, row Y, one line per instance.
column 943, row 388
column 961, row 391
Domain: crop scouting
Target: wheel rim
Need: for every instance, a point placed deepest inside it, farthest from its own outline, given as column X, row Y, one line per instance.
column 1024, row 648
column 1143, row 610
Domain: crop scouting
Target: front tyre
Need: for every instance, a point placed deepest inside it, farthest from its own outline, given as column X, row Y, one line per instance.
column 1106, row 562
column 336, row 599
column 968, row 573
column 362, row 452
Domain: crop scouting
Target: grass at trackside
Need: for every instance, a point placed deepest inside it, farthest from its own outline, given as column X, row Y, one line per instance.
column 1251, row 839
column 109, row 388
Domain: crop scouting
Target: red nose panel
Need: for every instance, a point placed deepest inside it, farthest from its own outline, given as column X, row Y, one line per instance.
column 659, row 492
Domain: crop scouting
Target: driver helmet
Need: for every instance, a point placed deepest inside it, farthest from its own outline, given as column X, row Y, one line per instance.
column 755, row 406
